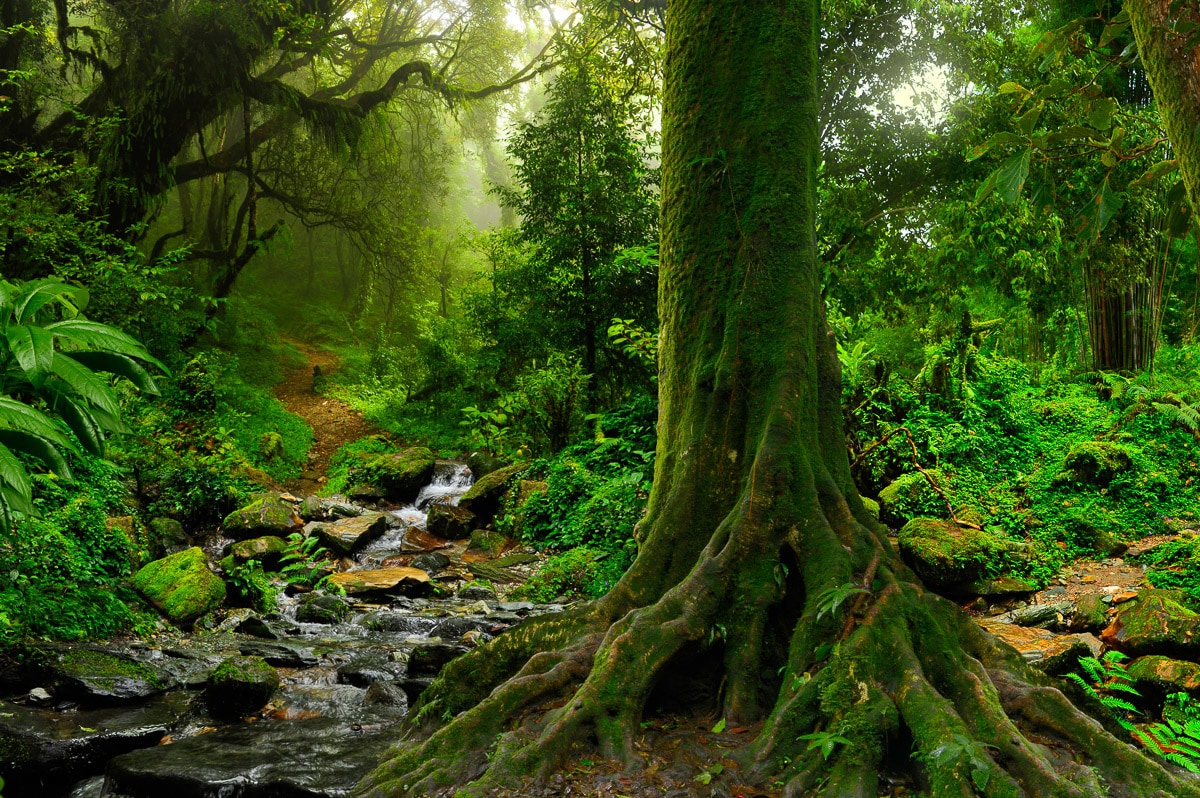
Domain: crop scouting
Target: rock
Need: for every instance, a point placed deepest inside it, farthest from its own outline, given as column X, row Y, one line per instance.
column 474, row 591
column 43, row 753
column 351, row 534
column 1091, row 614
column 1095, row 463
column 951, row 557
column 417, row 540
column 322, row 609
column 239, row 686
column 487, row 541
column 1046, row 651
column 400, row 623
column 257, row 627
column 449, row 522
column 267, row 550
column 315, row 758
column 364, row 671
column 483, row 498
column 453, row 629
column 871, row 506
column 1156, row 622
column 398, row 475
column 911, row 496
column 95, row 675
column 482, row 464
column 39, row 697
column 387, row 694
column 311, row 508
column 368, row 494
column 181, row 586
column 167, row 536
column 515, row 606
column 1157, row 675
column 429, row 658
column 268, row 514
column 382, row 580
column 1042, row 616
column 281, row 655
column 340, row 509
column 1000, row 586
column 431, row 563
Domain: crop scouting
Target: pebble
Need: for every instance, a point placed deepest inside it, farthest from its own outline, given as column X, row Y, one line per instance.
column 39, row 697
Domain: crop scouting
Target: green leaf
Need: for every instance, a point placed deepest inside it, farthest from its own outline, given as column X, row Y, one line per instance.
column 12, row 473
column 1010, row 177
column 1112, row 31
column 86, row 383
column 1155, row 172
column 33, row 347
column 121, row 365
column 1101, row 113
column 84, row 425
column 20, row 416
column 719, row 727
column 1097, row 213
column 36, row 294
column 38, row 447
column 1029, row 120
column 103, row 337
column 1012, row 87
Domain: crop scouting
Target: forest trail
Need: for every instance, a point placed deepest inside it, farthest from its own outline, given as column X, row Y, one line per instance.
column 333, row 422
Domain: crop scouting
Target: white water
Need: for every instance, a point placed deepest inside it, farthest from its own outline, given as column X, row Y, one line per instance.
column 450, row 482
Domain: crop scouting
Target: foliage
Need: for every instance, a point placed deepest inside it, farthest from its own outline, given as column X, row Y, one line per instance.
column 1102, row 679
column 305, row 562
column 579, row 571
column 350, row 455
column 252, row 585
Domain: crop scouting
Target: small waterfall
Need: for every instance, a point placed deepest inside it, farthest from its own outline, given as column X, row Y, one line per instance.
column 450, row 481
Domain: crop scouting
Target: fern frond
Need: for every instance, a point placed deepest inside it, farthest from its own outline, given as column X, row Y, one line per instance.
column 1112, row 702
column 1183, row 761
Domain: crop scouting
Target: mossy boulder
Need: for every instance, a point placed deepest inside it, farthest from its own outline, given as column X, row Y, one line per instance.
column 268, row 514
column 1157, row 675
column 1095, row 463
column 911, row 496
column 181, row 586
column 950, row 557
column 350, row 534
column 239, row 686
column 167, row 536
column 97, row 676
column 1156, row 622
column 267, row 550
column 871, row 506
column 399, row 476
column 1091, row 614
column 485, row 496
column 451, row 523
column 323, row 609
column 488, row 542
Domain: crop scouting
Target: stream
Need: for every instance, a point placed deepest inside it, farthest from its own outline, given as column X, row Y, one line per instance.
column 344, row 686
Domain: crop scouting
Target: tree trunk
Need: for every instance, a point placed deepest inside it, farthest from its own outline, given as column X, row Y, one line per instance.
column 754, row 526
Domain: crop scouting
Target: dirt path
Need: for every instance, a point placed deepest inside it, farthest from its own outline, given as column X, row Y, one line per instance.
column 333, row 421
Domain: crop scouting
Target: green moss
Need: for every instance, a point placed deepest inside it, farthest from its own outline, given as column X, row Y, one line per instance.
column 181, row 586
column 91, row 663
column 399, row 474
column 910, row 496
column 265, row 514
column 947, row 555
column 1095, row 463
column 267, row 550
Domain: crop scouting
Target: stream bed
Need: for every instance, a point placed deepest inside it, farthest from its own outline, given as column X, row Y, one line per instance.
column 132, row 718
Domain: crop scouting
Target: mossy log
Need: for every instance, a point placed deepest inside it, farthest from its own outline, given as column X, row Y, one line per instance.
column 756, row 550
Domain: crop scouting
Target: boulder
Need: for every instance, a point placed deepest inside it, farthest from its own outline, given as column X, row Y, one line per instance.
column 281, row 655
column 449, row 522
column 322, row 609
column 419, row 541
column 398, row 475
column 167, row 536
column 1048, row 652
column 311, row 509
column 181, row 586
column 267, row 550
column 476, row 591
column 482, row 464
column 239, row 686
column 1156, row 622
column 483, row 498
column 351, row 534
column 382, row 580
column 911, row 496
column 97, row 676
column 1091, row 614
column 429, row 658
column 998, row 587
column 488, row 542
column 268, row 514
column 872, row 507
column 386, row 694
column 366, row 670
column 1041, row 616
column 431, row 563
column 950, row 557
column 1095, row 463
column 1158, row 675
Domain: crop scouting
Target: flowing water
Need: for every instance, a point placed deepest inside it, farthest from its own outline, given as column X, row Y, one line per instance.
column 344, row 688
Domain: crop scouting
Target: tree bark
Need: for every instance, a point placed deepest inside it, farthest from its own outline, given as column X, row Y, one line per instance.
column 754, row 527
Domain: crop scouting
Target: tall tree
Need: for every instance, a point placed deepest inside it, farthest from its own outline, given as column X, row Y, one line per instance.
column 756, row 553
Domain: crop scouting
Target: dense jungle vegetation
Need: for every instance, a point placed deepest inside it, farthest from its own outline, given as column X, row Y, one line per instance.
column 459, row 204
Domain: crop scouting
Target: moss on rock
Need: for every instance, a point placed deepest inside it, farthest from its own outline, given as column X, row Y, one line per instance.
column 484, row 497
column 267, row 514
column 909, row 497
column 946, row 555
column 1095, row 463
column 267, row 550
column 1156, row 622
column 399, row 476
column 181, row 586
column 1156, row 674
column 239, row 686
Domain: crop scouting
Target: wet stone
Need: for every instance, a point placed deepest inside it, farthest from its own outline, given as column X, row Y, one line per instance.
column 470, row 592
column 323, row 609
column 431, row 563
column 455, row 628
column 280, row 654
column 429, row 658
column 387, row 694
column 398, row 623
column 365, row 671
column 257, row 627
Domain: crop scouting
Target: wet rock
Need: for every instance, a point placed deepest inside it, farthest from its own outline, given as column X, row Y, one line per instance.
column 431, row 563
column 418, row 540
column 474, row 591
column 382, row 580
column 317, row 758
column 181, row 586
column 449, row 522
column 97, row 676
column 521, row 607
column 267, row 550
column 399, row 476
column 948, row 556
column 364, row 671
column 1041, row 616
column 366, row 494
column 998, row 587
column 428, row 659
column 482, row 464
column 1156, row 622
column 1091, row 614
column 351, row 534
column 386, row 694
column 39, row 697
column 335, row 508
column 1045, row 650
column 399, row 623
column 488, row 541
column 43, row 752
column 268, row 514
column 323, row 609
column 483, row 498
column 413, row 687
column 239, row 686
column 257, row 627
column 167, row 536
column 1157, row 675
column 281, row 655
column 311, row 509
column 455, row 628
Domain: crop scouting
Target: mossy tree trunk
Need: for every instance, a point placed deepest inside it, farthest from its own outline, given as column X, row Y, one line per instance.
column 754, row 526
